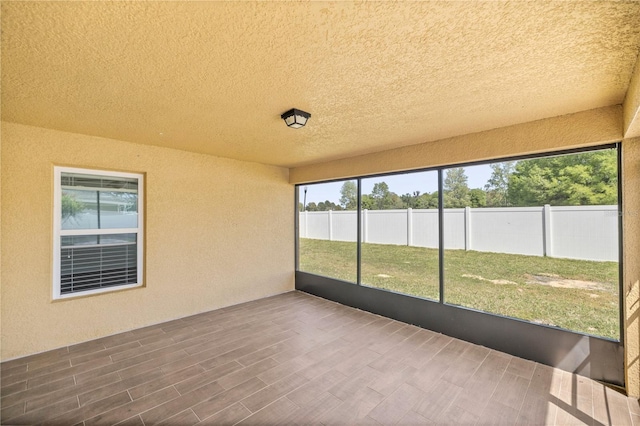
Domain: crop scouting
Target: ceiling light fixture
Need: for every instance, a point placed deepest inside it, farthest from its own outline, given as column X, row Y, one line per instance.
column 295, row 118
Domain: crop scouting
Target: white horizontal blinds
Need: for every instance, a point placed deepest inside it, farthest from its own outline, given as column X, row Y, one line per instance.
column 101, row 183
column 99, row 235
column 95, row 267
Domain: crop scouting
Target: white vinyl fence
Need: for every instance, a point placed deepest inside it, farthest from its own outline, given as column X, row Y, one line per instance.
column 581, row 232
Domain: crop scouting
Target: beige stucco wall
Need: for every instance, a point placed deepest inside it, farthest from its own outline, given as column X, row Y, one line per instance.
column 631, row 105
column 570, row 131
column 582, row 129
column 218, row 232
column 631, row 259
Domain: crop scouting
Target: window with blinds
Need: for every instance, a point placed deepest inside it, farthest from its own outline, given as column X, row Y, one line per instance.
column 98, row 231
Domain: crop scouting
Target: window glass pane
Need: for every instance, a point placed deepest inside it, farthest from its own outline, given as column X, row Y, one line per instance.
column 118, row 210
column 537, row 240
column 400, row 233
column 79, row 209
column 328, row 229
column 90, row 202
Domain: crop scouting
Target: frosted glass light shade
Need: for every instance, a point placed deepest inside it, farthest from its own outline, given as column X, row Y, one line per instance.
column 295, row 118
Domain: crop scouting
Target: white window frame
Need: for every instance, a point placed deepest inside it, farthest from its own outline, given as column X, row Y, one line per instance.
column 58, row 232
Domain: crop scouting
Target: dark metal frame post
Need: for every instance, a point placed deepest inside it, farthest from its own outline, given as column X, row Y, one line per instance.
column 296, row 212
column 359, row 237
column 621, row 301
column 441, row 234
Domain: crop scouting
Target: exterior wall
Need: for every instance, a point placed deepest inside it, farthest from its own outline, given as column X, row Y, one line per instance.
column 207, row 243
column 631, row 259
column 582, row 129
column 631, row 105
column 598, row 126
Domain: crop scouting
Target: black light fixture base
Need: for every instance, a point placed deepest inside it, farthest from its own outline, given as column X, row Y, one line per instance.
column 295, row 118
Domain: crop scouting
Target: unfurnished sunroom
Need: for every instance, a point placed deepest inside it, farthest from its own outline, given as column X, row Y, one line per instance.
column 472, row 169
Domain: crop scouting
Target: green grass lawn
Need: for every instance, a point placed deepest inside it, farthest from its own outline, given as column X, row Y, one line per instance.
column 505, row 284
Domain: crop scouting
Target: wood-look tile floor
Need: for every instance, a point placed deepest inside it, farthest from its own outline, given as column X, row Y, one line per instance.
column 296, row 359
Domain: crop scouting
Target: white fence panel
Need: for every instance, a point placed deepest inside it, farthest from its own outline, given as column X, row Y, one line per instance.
column 582, row 232
column 387, row 226
column 425, row 228
column 318, row 225
column 516, row 230
column 302, row 224
column 344, row 226
column 585, row 232
column 454, row 230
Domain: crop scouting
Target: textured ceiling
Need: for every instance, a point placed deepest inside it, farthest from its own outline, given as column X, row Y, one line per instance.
column 214, row 77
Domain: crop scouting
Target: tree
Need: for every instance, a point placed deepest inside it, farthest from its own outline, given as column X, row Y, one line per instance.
column 588, row 178
column 456, row 189
column 497, row 186
column 327, row 205
column 429, row 201
column 349, row 195
column 478, row 197
column 411, row 201
column 383, row 199
column 380, row 195
column 322, row 206
column 420, row 201
column 367, row 202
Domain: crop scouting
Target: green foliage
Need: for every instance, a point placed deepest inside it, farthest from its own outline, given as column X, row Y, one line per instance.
column 383, row 199
column 478, row 198
column 381, row 196
column 349, row 195
column 588, row 178
column 368, row 203
column 323, row 206
column 456, row 189
column 71, row 206
column 497, row 186
column 420, row 201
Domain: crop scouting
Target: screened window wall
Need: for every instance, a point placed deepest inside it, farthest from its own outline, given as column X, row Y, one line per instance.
column 400, row 239
column 540, row 241
column 328, row 229
column 536, row 239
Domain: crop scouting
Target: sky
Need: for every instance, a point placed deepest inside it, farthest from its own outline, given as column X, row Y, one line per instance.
column 400, row 184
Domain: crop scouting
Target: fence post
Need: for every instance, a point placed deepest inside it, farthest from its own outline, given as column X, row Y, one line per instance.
column 364, row 225
column 330, row 216
column 546, row 227
column 409, row 226
column 467, row 228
